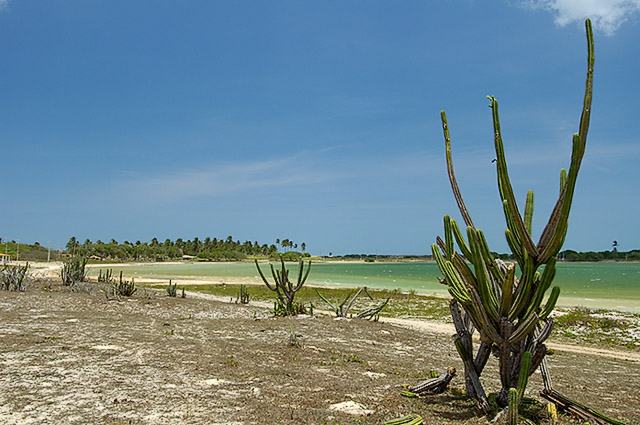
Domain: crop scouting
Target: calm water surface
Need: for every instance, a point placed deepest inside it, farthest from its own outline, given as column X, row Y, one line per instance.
column 606, row 285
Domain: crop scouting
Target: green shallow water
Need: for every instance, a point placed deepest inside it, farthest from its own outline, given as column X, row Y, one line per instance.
column 595, row 285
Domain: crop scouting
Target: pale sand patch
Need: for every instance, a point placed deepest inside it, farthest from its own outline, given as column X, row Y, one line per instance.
column 352, row 408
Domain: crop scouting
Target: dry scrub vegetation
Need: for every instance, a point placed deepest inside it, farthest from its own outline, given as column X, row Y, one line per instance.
column 76, row 358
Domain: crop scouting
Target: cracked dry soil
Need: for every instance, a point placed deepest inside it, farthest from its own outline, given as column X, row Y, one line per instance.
column 76, row 358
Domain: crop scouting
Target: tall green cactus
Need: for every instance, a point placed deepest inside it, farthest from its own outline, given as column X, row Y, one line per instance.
column 507, row 310
column 285, row 289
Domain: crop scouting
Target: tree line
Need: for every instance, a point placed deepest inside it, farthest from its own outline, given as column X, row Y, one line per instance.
column 208, row 249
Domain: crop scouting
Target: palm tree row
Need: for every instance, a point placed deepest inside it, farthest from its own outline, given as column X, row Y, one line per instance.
column 207, row 249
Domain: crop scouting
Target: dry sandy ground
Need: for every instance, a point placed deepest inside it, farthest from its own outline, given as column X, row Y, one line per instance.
column 76, row 358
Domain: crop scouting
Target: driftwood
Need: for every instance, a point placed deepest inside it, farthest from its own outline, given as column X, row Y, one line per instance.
column 585, row 413
column 435, row 385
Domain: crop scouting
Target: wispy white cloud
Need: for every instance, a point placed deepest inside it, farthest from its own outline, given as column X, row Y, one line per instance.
column 222, row 180
column 3, row 4
column 302, row 171
column 606, row 15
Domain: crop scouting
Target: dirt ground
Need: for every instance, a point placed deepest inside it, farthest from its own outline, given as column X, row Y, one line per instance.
column 77, row 358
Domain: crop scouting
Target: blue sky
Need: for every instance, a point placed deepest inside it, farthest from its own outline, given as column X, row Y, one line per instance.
column 313, row 121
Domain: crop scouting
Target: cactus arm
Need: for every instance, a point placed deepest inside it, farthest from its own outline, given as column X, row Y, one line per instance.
column 277, row 277
column 306, row 275
column 551, row 303
column 487, row 294
column 456, row 285
column 448, row 237
column 553, row 234
column 525, row 371
column 464, row 271
column 490, row 262
column 563, row 179
column 507, row 290
column 300, row 271
column 507, row 190
column 512, row 418
column 580, row 140
column 264, row 278
column 333, row 307
column 364, row 288
column 513, row 245
column 545, row 282
column 460, row 240
column 341, row 305
column 523, row 328
column 373, row 311
column 528, row 211
column 523, row 292
column 452, row 177
column 482, row 316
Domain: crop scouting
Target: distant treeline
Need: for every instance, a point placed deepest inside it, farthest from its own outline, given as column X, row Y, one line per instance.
column 213, row 249
column 569, row 255
column 208, row 249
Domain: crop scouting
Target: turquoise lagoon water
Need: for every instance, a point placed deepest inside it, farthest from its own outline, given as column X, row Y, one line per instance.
column 595, row 285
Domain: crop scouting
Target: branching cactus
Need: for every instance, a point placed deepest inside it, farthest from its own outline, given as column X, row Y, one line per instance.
column 285, row 289
column 74, row 270
column 507, row 310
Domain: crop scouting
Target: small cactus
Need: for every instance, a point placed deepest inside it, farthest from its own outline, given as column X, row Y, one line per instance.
column 123, row 287
column 172, row 290
column 285, row 289
column 243, row 295
column 73, row 270
column 107, row 277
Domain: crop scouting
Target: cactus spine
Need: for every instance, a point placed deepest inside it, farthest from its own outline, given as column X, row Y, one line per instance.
column 285, row 289
column 487, row 295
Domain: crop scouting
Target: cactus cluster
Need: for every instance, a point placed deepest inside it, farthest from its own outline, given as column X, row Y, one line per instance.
column 107, row 277
column 123, row 288
column 14, row 278
column 285, row 289
column 172, row 290
column 243, row 295
column 507, row 310
column 73, row 270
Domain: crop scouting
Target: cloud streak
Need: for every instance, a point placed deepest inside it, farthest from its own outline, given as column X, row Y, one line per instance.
column 222, row 180
column 606, row 15
column 302, row 171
